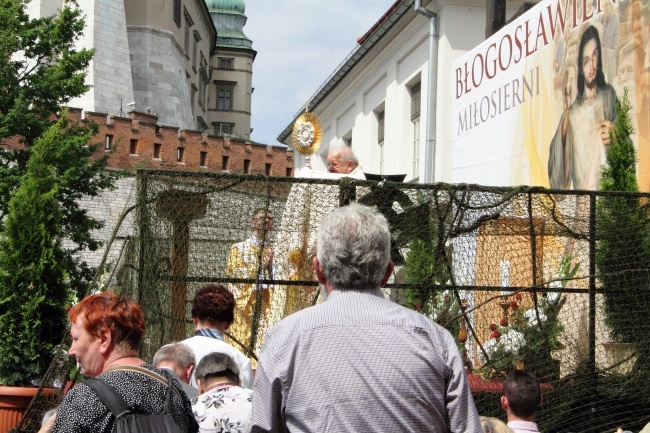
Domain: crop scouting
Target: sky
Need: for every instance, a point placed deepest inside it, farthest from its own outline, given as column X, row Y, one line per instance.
column 299, row 43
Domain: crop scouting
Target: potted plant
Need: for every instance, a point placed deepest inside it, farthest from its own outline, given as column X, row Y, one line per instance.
column 33, row 285
column 623, row 249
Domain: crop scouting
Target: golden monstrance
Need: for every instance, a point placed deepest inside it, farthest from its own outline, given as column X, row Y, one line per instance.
column 307, row 135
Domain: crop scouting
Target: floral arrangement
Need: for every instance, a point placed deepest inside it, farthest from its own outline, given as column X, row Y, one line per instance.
column 502, row 350
column 525, row 338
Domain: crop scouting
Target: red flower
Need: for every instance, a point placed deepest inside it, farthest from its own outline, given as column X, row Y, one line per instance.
column 434, row 300
column 495, row 334
column 514, row 305
column 418, row 305
column 446, row 298
column 493, row 327
column 518, row 296
column 504, row 321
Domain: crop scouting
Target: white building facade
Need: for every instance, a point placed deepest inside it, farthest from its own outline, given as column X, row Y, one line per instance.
column 377, row 102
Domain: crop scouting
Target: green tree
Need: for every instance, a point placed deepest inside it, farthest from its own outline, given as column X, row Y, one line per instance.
column 623, row 251
column 41, row 71
column 33, row 289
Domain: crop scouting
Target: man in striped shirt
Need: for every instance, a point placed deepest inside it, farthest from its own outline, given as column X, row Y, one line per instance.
column 359, row 362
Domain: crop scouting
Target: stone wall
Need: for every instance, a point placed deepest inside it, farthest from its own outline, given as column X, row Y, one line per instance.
column 109, row 72
column 159, row 75
column 137, row 139
column 108, row 207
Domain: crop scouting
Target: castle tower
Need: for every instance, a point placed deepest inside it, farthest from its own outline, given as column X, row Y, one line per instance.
column 109, row 72
column 232, row 70
column 229, row 19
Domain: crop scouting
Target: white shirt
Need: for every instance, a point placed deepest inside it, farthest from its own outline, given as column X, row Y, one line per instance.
column 224, row 410
column 202, row 346
column 523, row 427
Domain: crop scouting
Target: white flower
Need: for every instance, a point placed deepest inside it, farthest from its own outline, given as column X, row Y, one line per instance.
column 552, row 297
column 531, row 317
column 512, row 341
column 490, row 347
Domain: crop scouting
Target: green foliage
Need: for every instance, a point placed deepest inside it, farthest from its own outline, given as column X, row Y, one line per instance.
column 40, row 71
column 623, row 250
column 620, row 172
column 427, row 268
column 33, row 291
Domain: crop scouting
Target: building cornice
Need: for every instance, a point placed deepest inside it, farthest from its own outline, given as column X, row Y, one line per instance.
column 224, row 49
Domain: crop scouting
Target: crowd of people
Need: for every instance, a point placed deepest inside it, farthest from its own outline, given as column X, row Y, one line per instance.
column 355, row 363
column 336, row 366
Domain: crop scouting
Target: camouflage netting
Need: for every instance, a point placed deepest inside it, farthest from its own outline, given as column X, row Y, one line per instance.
column 556, row 282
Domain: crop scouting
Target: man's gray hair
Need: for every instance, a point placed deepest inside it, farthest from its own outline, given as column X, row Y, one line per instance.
column 175, row 352
column 354, row 247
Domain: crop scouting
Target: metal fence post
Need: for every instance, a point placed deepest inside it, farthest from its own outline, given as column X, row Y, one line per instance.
column 592, row 309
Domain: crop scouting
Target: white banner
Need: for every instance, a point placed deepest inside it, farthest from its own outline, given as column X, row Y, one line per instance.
column 533, row 105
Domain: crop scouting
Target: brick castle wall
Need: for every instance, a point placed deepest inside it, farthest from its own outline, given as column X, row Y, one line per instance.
column 138, row 142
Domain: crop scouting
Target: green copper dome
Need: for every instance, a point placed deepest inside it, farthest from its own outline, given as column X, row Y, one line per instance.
column 226, row 6
column 229, row 20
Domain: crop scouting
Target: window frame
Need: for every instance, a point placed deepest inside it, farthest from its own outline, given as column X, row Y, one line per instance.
column 415, row 92
column 108, row 144
column 133, row 146
column 227, row 100
column 219, row 129
column 189, row 22
column 195, row 49
column 176, row 12
column 226, row 63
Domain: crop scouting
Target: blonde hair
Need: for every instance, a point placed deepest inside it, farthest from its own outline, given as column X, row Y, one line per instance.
column 494, row 425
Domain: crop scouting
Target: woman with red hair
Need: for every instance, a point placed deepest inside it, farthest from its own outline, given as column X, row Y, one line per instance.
column 106, row 331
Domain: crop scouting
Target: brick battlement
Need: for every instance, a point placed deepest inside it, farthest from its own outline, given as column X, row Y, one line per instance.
column 137, row 141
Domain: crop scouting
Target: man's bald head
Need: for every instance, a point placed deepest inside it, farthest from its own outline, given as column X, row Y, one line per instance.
column 341, row 160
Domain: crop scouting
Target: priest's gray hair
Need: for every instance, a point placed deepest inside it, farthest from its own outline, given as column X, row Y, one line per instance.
column 354, row 247
column 344, row 153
